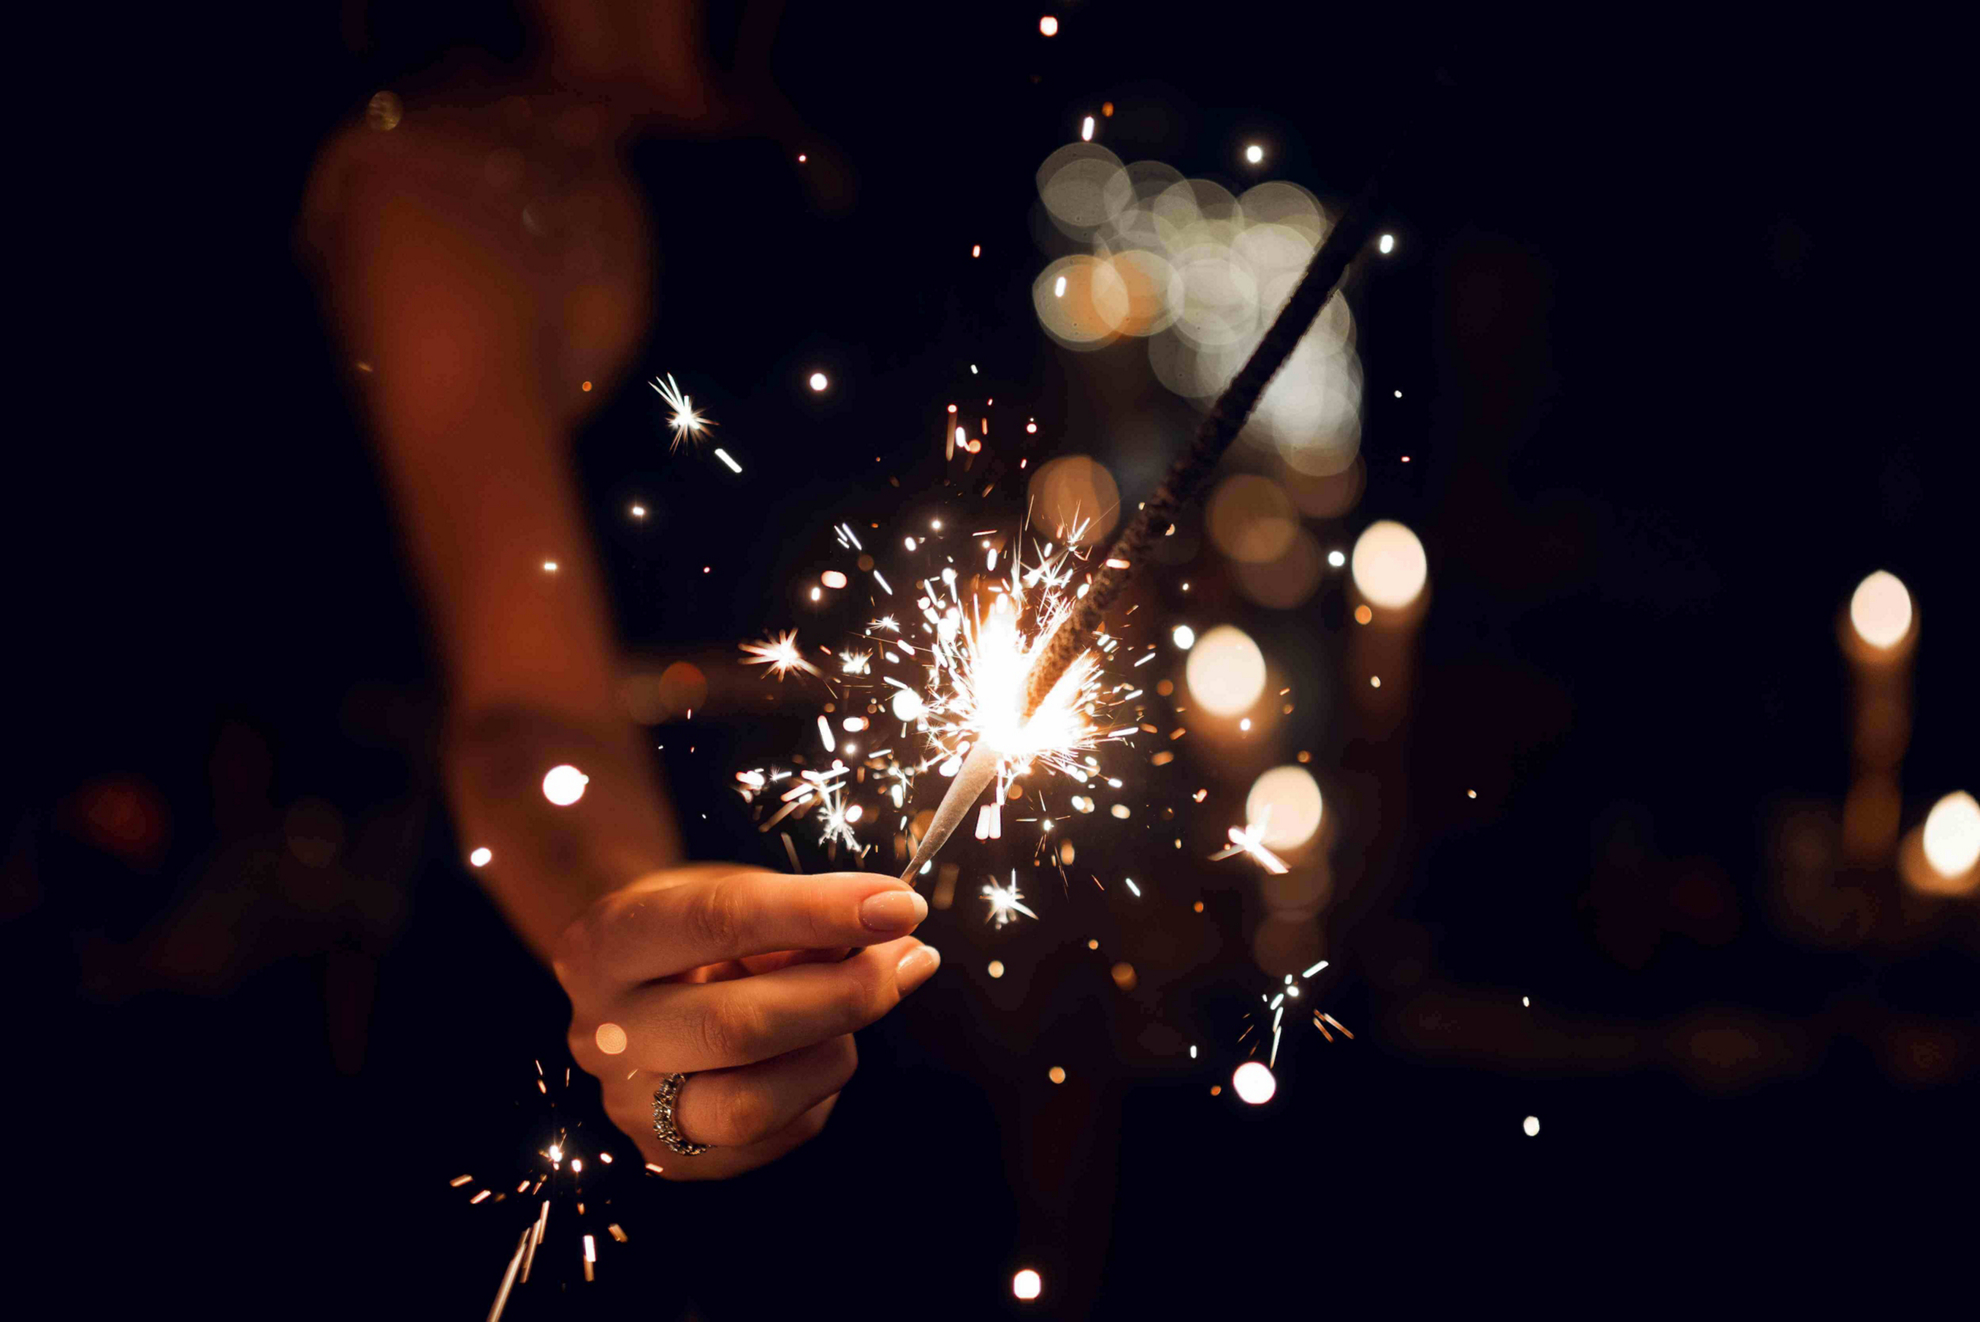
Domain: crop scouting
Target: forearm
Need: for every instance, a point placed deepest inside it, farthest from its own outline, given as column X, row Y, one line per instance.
column 532, row 678
column 548, row 864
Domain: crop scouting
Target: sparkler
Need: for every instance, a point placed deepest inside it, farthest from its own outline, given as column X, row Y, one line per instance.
column 1071, row 636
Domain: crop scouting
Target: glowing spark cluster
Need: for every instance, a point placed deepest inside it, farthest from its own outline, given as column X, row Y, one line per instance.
column 1005, row 902
column 687, row 424
column 780, row 653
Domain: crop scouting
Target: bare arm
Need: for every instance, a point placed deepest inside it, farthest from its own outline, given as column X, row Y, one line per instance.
column 479, row 331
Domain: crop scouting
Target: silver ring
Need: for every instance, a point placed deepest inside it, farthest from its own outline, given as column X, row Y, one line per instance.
column 664, row 1101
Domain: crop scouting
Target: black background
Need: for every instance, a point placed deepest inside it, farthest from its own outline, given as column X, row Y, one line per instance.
column 1680, row 312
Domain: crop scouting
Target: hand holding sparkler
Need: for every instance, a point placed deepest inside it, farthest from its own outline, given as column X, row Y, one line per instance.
column 735, row 978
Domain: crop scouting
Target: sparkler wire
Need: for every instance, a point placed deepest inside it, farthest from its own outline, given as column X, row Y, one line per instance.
column 1220, row 426
column 1184, row 483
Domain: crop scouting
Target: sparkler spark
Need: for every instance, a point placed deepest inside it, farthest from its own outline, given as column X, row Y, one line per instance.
column 687, row 424
column 1250, row 840
column 1005, row 902
column 780, row 653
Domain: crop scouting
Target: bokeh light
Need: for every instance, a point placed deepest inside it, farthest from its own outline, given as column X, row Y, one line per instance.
column 1027, row 1284
column 1200, row 274
column 1183, row 636
column 1880, row 610
column 907, row 705
column 1952, row 835
column 1049, row 26
column 481, row 857
column 818, row 381
column 564, row 785
column 1287, row 581
column 1082, row 302
column 611, row 1039
column 1388, row 564
column 1072, row 491
column 1226, row 671
column 1253, row 1082
column 1251, row 519
column 1286, row 800
column 1531, row 1125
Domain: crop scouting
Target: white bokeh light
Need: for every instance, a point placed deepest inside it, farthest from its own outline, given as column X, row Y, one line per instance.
column 1286, row 801
column 1388, row 564
column 818, row 381
column 480, row 857
column 1952, row 835
column 1185, row 637
column 1253, row 1082
column 1531, row 1125
column 1226, row 671
column 1880, row 610
column 1027, row 1284
column 564, row 785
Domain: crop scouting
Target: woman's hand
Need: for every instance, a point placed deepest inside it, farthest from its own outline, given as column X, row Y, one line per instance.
column 737, row 978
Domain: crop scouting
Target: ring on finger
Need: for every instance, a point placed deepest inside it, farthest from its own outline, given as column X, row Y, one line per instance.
column 666, row 1101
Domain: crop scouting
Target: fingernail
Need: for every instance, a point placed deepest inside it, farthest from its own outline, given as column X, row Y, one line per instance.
column 892, row 911
column 916, row 966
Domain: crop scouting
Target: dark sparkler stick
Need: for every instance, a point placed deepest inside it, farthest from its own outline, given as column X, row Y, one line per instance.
column 1183, row 484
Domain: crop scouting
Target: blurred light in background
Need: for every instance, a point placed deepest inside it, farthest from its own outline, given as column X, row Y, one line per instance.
column 564, row 785
column 1388, row 564
column 818, row 381
column 1184, row 636
column 907, row 705
column 1204, row 273
column 1073, row 490
column 1082, row 302
column 1251, row 519
column 1287, row 581
column 1880, row 610
column 1952, row 835
column 1287, row 802
column 1254, row 1083
column 1026, row 1284
column 1049, row 26
column 480, row 857
column 1226, row 671
column 1387, row 244
column 1531, row 1125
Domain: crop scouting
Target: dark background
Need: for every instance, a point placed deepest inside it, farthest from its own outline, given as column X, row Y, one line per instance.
column 1680, row 314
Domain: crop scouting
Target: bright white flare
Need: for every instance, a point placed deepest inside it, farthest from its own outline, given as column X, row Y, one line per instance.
column 1250, row 840
column 1027, row 1283
column 687, row 424
column 1005, row 902
column 780, row 653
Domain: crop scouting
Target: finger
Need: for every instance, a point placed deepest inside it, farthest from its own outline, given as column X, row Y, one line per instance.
column 721, row 1163
column 663, row 925
column 735, row 1108
column 684, row 1028
column 785, row 958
